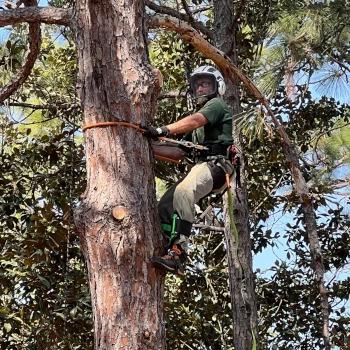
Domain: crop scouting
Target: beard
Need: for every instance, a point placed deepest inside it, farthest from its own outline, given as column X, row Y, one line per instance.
column 202, row 100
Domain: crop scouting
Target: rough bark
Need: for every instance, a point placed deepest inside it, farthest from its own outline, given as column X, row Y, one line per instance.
column 241, row 278
column 117, row 83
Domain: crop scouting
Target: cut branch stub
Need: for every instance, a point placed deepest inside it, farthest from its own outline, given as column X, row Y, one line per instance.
column 119, row 213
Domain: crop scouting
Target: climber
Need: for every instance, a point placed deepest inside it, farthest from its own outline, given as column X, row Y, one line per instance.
column 211, row 126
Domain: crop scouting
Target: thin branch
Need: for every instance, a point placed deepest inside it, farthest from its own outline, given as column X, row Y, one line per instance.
column 37, row 107
column 210, row 228
column 341, row 184
column 53, row 108
column 239, row 11
column 201, row 9
column 22, row 75
column 188, row 11
column 181, row 16
column 31, row 14
column 269, row 194
column 172, row 94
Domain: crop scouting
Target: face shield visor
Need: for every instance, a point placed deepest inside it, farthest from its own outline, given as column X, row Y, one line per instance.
column 203, row 85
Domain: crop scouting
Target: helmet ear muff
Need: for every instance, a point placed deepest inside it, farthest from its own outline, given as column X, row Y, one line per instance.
column 221, row 86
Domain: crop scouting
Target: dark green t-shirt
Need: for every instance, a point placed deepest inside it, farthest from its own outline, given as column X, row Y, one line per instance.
column 219, row 126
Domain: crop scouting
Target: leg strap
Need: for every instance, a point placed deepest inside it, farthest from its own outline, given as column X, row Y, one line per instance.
column 178, row 227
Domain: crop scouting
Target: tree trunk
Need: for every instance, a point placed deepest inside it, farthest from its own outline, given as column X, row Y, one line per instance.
column 116, row 83
column 243, row 299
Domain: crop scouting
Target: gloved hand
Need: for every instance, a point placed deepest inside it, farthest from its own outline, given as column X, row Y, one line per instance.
column 155, row 133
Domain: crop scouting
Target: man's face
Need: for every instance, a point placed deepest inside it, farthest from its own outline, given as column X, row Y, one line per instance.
column 204, row 86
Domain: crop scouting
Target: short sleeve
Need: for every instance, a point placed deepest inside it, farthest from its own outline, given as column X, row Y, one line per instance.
column 212, row 111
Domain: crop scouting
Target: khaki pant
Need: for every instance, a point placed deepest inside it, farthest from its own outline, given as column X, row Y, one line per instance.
column 182, row 197
column 196, row 185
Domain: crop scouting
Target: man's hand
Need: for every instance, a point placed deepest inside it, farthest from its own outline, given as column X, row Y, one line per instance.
column 155, row 133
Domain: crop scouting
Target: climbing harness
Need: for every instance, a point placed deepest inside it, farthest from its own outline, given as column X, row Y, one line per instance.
column 170, row 230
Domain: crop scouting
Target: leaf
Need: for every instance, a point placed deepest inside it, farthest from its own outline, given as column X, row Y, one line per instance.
column 73, row 312
column 44, row 281
column 61, row 315
column 7, row 327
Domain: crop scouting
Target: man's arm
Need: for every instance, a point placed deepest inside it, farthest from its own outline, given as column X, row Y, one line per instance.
column 187, row 124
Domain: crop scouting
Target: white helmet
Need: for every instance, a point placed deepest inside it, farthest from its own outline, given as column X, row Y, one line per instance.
column 219, row 85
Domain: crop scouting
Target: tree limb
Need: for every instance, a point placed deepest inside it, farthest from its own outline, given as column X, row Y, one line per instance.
column 172, row 94
column 30, row 14
column 188, row 11
column 209, row 228
column 183, row 17
column 22, row 75
column 202, row 8
column 53, row 107
column 193, row 37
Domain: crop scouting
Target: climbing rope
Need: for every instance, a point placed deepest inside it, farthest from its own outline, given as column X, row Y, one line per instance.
column 116, row 123
column 138, row 128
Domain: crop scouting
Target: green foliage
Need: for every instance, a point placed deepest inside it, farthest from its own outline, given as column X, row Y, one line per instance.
column 310, row 41
column 44, row 298
column 289, row 300
column 198, row 307
column 336, row 147
column 44, row 295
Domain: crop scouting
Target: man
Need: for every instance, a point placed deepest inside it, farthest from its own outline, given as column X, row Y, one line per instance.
column 211, row 126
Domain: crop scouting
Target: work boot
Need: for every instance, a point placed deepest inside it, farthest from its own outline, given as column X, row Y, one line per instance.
column 174, row 261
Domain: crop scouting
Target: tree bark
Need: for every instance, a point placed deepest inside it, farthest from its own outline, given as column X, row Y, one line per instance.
column 239, row 255
column 116, row 83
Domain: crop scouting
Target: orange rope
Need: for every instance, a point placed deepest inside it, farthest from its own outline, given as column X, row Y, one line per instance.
column 130, row 125
column 166, row 159
column 126, row 124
